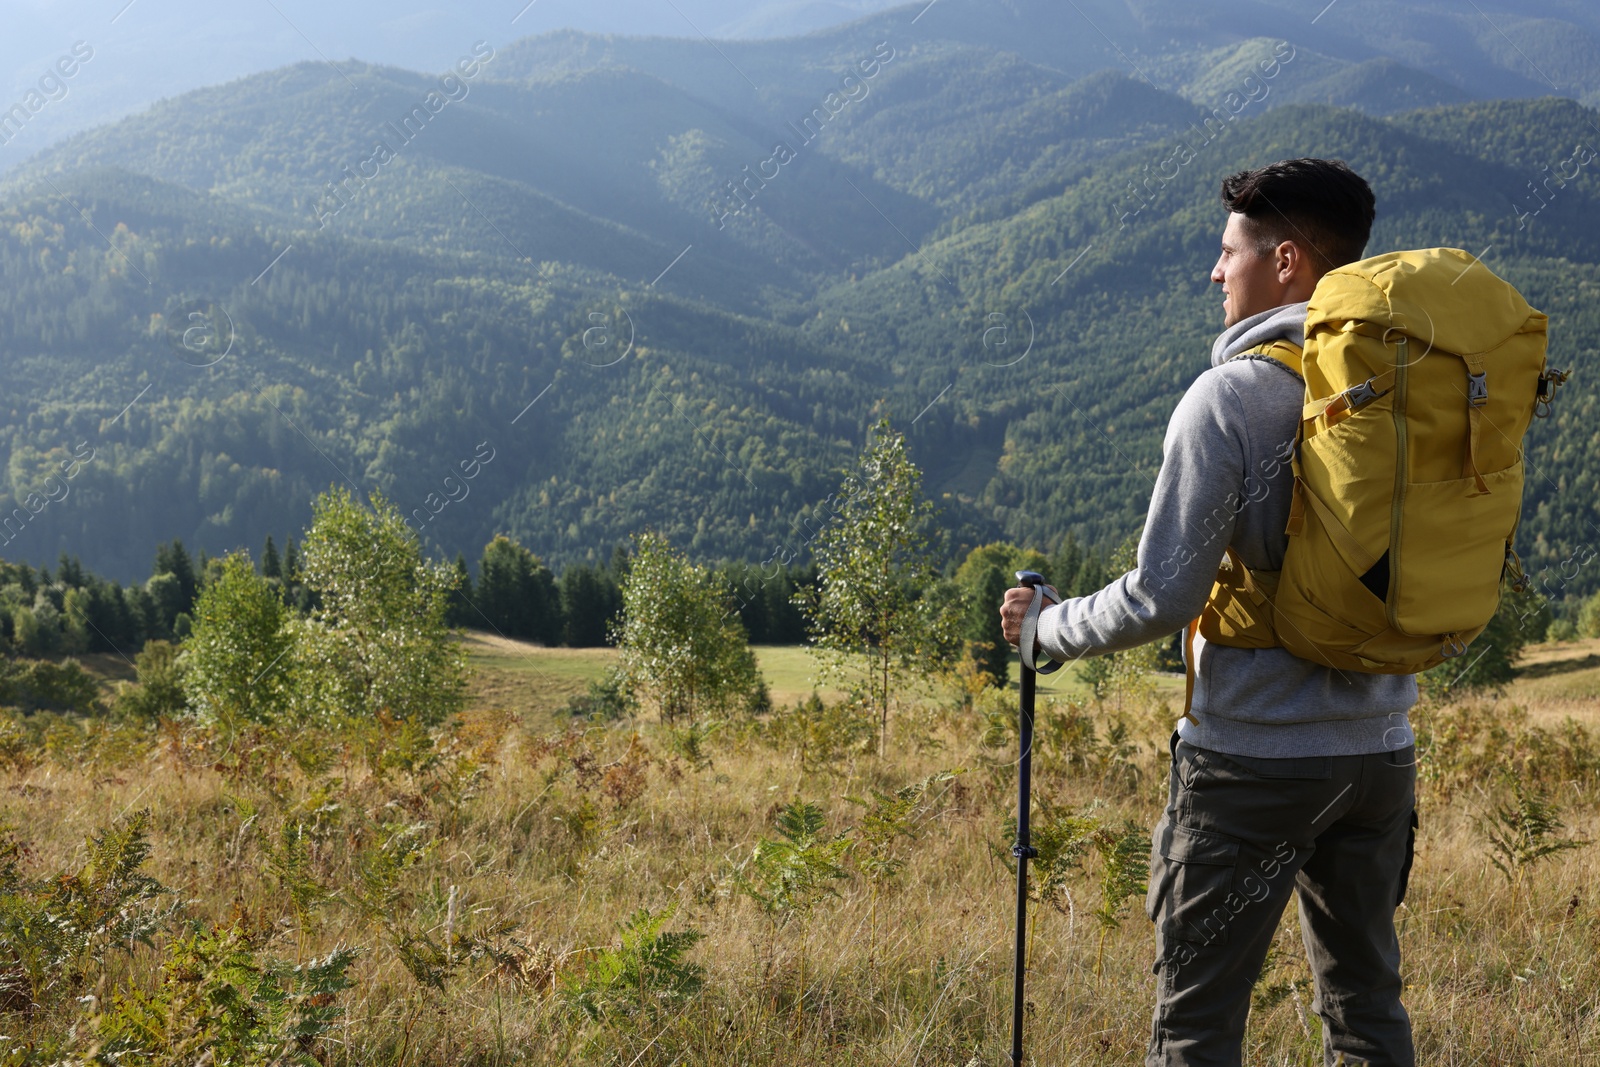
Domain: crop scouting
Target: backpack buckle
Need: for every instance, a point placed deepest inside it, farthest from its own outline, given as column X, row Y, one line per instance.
column 1478, row 389
column 1358, row 395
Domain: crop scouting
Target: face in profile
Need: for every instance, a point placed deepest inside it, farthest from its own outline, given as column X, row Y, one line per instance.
column 1249, row 276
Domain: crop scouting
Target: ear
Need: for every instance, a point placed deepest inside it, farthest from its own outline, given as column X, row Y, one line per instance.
column 1295, row 263
column 1296, row 269
column 1288, row 259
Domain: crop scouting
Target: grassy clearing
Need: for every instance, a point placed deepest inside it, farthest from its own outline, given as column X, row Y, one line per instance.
column 540, row 838
column 791, row 671
column 1558, row 680
column 515, row 674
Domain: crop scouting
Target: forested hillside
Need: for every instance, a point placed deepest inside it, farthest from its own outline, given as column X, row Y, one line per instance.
column 624, row 288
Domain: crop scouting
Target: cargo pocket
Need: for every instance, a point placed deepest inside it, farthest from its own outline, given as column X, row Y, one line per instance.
column 1159, row 870
column 1193, row 900
column 1405, row 868
column 1187, row 762
column 1451, row 549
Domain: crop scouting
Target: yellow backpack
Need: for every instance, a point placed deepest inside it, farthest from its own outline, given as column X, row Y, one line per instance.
column 1422, row 371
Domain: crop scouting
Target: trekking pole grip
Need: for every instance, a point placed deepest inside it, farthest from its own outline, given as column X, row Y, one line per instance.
column 1030, row 624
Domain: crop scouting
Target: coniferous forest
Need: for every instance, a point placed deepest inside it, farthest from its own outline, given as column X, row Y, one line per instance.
column 552, row 312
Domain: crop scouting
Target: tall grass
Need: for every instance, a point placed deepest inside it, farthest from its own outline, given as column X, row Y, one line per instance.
column 523, row 888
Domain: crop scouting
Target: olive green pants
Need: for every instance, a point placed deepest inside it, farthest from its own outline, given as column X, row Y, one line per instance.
column 1238, row 834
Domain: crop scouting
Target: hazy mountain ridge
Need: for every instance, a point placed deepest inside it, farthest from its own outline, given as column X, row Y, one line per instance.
column 543, row 270
column 1515, row 48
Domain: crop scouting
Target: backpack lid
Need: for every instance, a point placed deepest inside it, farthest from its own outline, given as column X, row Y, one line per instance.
column 1443, row 297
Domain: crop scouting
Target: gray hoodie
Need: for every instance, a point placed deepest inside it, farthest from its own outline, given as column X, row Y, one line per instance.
column 1225, row 480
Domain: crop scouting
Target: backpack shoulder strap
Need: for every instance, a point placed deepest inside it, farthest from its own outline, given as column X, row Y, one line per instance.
column 1283, row 353
column 1238, row 612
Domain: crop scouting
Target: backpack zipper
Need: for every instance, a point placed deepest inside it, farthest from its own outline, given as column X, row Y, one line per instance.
column 1401, row 467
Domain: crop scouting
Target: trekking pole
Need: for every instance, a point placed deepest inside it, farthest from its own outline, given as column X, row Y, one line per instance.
column 1023, row 849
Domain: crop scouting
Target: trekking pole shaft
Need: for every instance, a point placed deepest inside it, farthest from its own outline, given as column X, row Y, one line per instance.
column 1022, row 851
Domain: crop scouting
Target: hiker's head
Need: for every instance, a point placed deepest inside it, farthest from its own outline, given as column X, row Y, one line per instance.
column 1289, row 223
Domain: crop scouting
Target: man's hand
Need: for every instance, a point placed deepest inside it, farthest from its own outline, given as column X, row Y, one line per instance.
column 1015, row 608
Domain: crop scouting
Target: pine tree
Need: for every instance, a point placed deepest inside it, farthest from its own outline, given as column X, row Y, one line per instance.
column 1092, row 576
column 461, row 611
column 517, row 593
column 1068, row 561
column 172, row 558
column 985, row 638
column 271, row 566
column 588, row 603
column 70, row 572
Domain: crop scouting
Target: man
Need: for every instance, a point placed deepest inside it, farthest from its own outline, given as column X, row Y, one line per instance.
column 1285, row 773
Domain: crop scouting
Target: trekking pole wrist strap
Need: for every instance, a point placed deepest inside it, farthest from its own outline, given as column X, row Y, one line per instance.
column 1030, row 633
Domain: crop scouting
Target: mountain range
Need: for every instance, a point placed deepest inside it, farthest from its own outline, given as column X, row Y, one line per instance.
column 144, row 52
column 633, row 282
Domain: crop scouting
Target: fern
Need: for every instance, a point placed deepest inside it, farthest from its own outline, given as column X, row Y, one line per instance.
column 794, row 872
column 889, row 820
column 1061, row 840
column 49, row 929
column 1125, row 863
column 1524, row 832
column 434, row 957
column 218, row 1001
column 379, row 870
column 646, row 972
column 290, row 861
column 10, row 853
column 689, row 743
column 423, row 955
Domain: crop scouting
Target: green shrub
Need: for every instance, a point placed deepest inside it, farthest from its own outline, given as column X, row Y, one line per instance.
column 820, row 734
column 159, row 692
column 1460, row 747
column 1489, row 661
column 1589, row 617
column 40, row 685
column 605, row 700
column 1561, row 630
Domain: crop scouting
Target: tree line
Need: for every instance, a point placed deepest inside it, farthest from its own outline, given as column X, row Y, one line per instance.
column 358, row 604
column 71, row 611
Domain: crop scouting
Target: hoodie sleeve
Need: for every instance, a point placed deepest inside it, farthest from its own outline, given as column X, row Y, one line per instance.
column 1198, row 494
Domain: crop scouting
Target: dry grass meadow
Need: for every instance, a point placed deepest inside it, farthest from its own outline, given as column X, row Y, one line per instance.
column 485, row 882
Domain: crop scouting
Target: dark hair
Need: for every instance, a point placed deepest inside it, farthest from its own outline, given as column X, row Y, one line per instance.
column 1319, row 203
